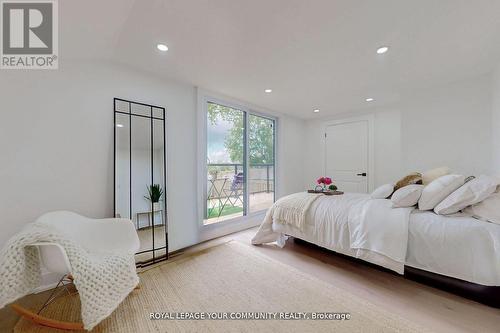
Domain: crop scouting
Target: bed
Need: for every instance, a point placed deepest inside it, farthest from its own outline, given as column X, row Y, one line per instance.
column 459, row 253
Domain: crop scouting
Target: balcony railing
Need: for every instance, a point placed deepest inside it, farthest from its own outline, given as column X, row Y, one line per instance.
column 261, row 176
column 225, row 188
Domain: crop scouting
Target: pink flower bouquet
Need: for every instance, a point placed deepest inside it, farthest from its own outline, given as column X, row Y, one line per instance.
column 326, row 181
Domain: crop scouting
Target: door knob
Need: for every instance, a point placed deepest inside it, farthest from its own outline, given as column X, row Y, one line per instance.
column 361, row 174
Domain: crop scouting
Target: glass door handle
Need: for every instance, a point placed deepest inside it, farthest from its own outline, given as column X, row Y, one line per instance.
column 361, row 174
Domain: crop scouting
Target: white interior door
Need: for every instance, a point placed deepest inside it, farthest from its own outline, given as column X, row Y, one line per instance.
column 346, row 155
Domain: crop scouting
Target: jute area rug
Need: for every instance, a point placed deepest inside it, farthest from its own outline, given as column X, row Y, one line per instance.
column 228, row 279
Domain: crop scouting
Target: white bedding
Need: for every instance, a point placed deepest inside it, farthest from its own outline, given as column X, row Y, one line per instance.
column 379, row 233
column 366, row 234
column 460, row 247
column 325, row 223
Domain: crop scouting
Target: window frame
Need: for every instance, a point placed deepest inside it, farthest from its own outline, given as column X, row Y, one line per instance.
column 249, row 219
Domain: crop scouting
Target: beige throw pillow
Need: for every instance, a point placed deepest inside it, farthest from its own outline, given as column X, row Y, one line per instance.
column 429, row 176
column 411, row 179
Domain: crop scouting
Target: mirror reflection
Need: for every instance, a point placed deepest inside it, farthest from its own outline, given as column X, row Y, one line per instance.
column 140, row 175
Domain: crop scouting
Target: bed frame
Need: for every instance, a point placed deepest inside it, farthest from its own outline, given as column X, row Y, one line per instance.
column 488, row 295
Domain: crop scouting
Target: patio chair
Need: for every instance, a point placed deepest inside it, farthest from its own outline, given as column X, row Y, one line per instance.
column 234, row 193
column 214, row 196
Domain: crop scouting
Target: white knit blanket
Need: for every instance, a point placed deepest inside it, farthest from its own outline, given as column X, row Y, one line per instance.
column 292, row 209
column 103, row 280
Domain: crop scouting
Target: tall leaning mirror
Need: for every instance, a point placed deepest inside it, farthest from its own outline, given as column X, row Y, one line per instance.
column 140, row 175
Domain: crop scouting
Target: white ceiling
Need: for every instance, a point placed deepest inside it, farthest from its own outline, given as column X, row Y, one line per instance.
column 313, row 54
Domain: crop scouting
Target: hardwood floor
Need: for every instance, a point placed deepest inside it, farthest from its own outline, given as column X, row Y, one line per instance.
column 437, row 310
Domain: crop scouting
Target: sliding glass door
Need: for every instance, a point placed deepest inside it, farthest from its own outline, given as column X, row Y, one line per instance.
column 260, row 163
column 225, row 163
column 240, row 168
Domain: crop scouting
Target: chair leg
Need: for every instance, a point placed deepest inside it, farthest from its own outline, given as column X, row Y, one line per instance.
column 56, row 292
column 41, row 320
column 223, row 205
column 239, row 198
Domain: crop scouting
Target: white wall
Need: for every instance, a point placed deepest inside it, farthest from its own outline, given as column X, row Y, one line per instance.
column 438, row 126
column 496, row 122
column 449, row 126
column 387, row 145
column 56, row 144
column 290, row 156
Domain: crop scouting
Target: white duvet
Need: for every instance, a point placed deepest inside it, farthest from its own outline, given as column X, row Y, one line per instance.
column 457, row 246
column 325, row 223
column 351, row 224
column 379, row 233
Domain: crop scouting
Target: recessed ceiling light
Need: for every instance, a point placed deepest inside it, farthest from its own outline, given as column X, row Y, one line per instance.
column 119, row 125
column 162, row 47
column 268, row 91
column 382, row 49
column 316, row 110
column 369, row 99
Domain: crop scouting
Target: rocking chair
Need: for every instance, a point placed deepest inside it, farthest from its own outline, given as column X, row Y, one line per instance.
column 106, row 235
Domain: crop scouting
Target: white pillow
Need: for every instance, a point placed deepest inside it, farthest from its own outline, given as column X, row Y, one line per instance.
column 407, row 196
column 429, row 176
column 470, row 193
column 438, row 190
column 383, row 191
column 488, row 209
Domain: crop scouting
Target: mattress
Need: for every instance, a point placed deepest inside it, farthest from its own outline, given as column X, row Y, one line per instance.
column 460, row 246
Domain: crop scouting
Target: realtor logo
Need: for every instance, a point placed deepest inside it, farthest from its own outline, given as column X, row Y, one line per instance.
column 29, row 35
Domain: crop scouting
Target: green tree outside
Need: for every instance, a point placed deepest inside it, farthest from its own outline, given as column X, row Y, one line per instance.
column 260, row 134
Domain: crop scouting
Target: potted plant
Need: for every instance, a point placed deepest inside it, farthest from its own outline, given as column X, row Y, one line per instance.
column 332, row 187
column 155, row 193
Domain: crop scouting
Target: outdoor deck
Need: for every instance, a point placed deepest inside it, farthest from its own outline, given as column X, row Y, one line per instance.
column 257, row 202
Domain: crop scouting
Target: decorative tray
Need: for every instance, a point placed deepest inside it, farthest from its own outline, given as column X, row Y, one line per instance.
column 326, row 192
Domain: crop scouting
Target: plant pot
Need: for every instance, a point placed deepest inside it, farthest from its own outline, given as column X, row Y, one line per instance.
column 157, row 206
